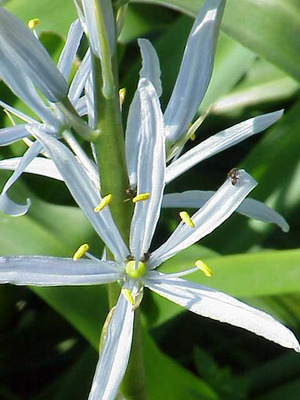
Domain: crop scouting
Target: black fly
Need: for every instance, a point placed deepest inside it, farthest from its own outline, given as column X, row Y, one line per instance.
column 233, row 174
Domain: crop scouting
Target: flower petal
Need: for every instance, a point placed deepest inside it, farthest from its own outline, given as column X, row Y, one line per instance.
column 195, row 70
column 7, row 205
column 93, row 8
column 249, row 207
column 215, row 211
column 17, row 113
column 221, row 141
column 25, row 50
column 12, row 134
column 55, row 271
column 151, row 67
column 133, row 138
column 69, row 51
column 22, row 87
column 89, row 95
column 81, row 106
column 150, row 71
column 150, row 171
column 39, row 166
column 115, row 354
column 217, row 305
column 84, row 193
column 80, row 78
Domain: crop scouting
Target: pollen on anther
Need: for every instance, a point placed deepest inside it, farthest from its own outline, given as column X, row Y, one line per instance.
column 81, row 251
column 32, row 23
column 186, row 219
column 204, row 268
column 122, row 94
column 128, row 296
column 103, row 203
column 141, row 197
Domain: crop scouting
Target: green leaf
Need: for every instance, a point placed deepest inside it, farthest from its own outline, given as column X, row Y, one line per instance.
column 74, row 383
column 264, row 83
column 248, row 275
column 232, row 61
column 270, row 29
column 168, row 380
column 54, row 15
column 288, row 391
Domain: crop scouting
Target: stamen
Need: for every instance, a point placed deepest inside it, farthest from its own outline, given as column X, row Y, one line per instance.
column 141, row 197
column 138, row 299
column 103, row 203
column 122, row 94
column 128, row 296
column 9, row 116
column 104, row 332
column 32, row 23
column 81, row 251
column 186, row 219
column 204, row 268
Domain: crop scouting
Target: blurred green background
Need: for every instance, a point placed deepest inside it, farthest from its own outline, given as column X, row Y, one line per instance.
column 49, row 337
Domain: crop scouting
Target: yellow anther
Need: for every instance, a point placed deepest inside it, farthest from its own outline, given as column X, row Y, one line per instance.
column 204, row 268
column 32, row 23
column 134, row 272
column 103, row 203
column 193, row 137
column 186, row 219
column 81, row 251
column 141, row 197
column 122, row 94
column 128, row 296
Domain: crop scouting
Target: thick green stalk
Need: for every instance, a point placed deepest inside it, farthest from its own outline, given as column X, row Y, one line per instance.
column 110, row 151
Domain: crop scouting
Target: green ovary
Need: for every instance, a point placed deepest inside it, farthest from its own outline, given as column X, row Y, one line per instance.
column 132, row 271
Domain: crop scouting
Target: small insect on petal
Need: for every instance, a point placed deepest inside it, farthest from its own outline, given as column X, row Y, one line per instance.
column 103, row 203
column 186, row 219
column 204, row 268
column 128, row 296
column 233, row 174
column 141, row 197
column 32, row 23
column 81, row 251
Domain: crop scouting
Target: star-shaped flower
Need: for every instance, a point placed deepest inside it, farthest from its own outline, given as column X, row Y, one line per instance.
column 135, row 268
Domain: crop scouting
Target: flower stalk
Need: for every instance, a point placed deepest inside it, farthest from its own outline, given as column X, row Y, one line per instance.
column 110, row 150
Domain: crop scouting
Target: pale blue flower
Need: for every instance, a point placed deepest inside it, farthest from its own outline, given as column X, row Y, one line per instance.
column 22, row 78
column 134, row 268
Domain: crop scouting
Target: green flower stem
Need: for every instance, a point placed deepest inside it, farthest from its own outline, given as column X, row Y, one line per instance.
column 106, row 61
column 80, row 126
column 110, row 151
column 133, row 386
